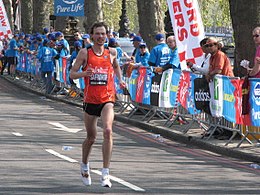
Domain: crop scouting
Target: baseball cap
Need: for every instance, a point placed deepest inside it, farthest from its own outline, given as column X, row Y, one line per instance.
column 45, row 30
column 112, row 41
column 137, row 38
column 77, row 44
column 57, row 34
column 159, row 37
column 86, row 36
column 142, row 44
column 132, row 35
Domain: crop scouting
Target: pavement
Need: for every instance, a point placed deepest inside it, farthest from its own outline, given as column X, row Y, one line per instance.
column 246, row 151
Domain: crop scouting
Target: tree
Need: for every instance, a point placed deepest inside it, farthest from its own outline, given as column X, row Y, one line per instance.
column 41, row 13
column 27, row 12
column 93, row 13
column 245, row 17
column 150, row 20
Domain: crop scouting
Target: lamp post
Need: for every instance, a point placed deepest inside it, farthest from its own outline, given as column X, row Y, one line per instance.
column 124, row 21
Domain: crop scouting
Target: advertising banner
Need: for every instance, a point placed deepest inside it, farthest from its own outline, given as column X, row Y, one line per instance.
column 188, row 29
column 5, row 30
column 69, row 7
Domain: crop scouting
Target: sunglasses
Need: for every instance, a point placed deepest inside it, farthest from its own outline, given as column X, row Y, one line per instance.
column 256, row 35
column 209, row 45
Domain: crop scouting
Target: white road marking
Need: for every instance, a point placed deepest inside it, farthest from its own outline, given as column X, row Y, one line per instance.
column 61, row 156
column 121, row 181
column 63, row 128
column 118, row 180
column 17, row 134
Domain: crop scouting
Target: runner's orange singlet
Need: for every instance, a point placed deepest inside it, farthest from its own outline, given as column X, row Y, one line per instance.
column 99, row 88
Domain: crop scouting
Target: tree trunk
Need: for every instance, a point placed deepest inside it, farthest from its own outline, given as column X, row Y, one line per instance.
column 9, row 12
column 27, row 12
column 41, row 13
column 245, row 17
column 150, row 20
column 93, row 13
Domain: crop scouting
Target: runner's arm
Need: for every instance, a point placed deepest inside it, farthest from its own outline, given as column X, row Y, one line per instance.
column 81, row 60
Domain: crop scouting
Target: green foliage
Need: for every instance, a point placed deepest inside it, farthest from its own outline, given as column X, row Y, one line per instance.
column 213, row 13
column 113, row 11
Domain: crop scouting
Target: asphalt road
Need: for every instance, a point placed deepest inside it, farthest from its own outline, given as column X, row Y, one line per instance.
column 40, row 153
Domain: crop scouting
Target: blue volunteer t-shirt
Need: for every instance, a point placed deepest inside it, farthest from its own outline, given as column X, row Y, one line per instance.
column 12, row 51
column 45, row 56
column 160, row 55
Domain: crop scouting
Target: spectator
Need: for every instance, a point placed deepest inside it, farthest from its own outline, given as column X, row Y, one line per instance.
column 219, row 62
column 255, row 71
column 120, row 53
column 144, row 54
column 13, row 54
column 86, row 41
column 204, row 67
column 136, row 53
column 160, row 54
column 60, row 37
column 46, row 56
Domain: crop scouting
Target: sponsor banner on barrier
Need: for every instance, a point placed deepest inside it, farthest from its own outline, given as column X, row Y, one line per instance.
column 232, row 96
column 191, row 99
column 140, row 84
column 133, row 84
column 188, row 29
column 165, row 87
column 155, row 89
column 254, row 99
column 184, row 88
column 216, row 93
column 175, row 81
column 202, row 94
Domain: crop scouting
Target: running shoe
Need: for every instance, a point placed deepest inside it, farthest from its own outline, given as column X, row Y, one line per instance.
column 105, row 181
column 85, row 176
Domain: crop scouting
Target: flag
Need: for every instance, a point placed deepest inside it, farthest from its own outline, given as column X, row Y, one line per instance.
column 188, row 29
column 5, row 30
column 18, row 16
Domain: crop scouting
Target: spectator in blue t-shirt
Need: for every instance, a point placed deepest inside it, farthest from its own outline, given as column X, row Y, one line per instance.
column 46, row 56
column 13, row 54
column 144, row 54
column 160, row 54
column 136, row 53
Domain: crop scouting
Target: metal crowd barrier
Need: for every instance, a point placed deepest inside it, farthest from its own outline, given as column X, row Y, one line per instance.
column 125, row 104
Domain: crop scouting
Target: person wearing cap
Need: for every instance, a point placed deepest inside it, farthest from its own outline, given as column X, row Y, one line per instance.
column 160, row 54
column 136, row 53
column 219, row 63
column 144, row 54
column 132, row 35
column 99, row 66
column 120, row 53
column 86, row 41
column 13, row 54
column 60, row 37
column 46, row 56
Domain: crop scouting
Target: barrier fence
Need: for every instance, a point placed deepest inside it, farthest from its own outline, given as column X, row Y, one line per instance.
column 174, row 95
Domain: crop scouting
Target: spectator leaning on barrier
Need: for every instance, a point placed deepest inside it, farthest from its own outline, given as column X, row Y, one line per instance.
column 144, row 54
column 174, row 61
column 46, row 56
column 160, row 54
column 60, row 38
column 219, row 63
column 136, row 53
column 13, row 54
column 254, row 72
column 99, row 65
column 204, row 67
